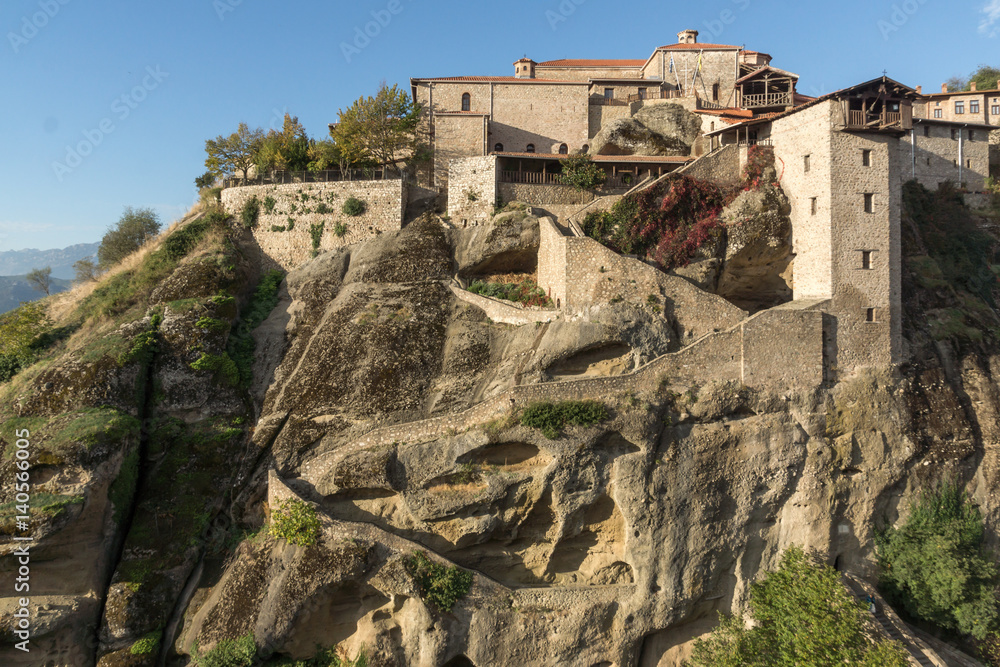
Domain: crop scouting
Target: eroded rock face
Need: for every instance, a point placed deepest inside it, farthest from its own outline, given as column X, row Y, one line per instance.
column 661, row 129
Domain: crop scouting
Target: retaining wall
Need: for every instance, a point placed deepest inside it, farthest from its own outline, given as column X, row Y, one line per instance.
column 472, row 190
column 506, row 313
column 385, row 203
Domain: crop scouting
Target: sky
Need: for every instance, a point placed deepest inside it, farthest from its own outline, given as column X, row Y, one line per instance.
column 108, row 103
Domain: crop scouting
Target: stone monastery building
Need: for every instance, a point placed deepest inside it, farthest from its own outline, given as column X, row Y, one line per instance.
column 842, row 159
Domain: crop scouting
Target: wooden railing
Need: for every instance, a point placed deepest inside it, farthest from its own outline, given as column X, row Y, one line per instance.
column 658, row 95
column 766, row 100
column 865, row 120
column 331, row 176
column 607, row 102
column 616, row 182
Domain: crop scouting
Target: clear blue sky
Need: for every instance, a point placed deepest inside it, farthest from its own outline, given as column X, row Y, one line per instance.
column 194, row 69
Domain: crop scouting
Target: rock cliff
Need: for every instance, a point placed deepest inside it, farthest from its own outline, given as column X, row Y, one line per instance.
column 615, row 543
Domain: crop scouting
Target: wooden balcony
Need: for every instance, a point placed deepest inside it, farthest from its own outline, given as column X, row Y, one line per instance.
column 607, row 102
column 763, row 100
column 658, row 95
column 885, row 120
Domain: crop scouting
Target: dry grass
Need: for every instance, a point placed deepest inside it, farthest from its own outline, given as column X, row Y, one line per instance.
column 510, row 278
column 63, row 304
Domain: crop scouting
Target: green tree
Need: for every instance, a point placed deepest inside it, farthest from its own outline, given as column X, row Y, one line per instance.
column 935, row 565
column 131, row 232
column 86, row 271
column 288, row 149
column 323, row 155
column 20, row 330
column 803, row 617
column 581, row 172
column 235, row 153
column 382, row 129
column 206, row 180
column 985, row 78
column 41, row 279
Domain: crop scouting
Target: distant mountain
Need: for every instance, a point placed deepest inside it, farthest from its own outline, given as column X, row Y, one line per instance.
column 20, row 262
column 15, row 289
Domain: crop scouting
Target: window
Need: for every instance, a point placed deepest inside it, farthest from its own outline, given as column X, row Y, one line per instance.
column 996, row 109
column 927, row 130
column 866, row 158
column 928, row 162
column 586, row 148
column 498, row 148
column 564, row 150
column 805, row 163
column 869, row 202
column 954, row 134
column 974, row 106
column 938, row 113
column 642, row 93
column 715, row 92
column 870, row 315
column 959, row 108
column 530, row 148
column 609, row 93
column 968, row 164
column 866, row 259
column 466, row 102
column 813, row 206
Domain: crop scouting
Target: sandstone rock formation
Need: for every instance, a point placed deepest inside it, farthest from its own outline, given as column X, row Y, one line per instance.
column 659, row 129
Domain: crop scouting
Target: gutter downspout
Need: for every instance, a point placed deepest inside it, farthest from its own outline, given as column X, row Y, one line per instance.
column 961, row 154
column 913, row 152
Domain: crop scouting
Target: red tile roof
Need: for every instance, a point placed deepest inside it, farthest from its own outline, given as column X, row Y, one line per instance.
column 961, row 92
column 498, row 79
column 592, row 63
column 603, row 158
column 698, row 47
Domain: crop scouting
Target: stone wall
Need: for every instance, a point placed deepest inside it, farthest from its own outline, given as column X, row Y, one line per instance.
column 546, row 115
column 716, row 67
column 542, row 195
column 472, row 190
column 456, row 137
column 385, row 203
column 506, row 312
column 932, row 155
column 587, row 73
column 809, row 193
column 582, row 275
column 601, row 115
column 722, row 166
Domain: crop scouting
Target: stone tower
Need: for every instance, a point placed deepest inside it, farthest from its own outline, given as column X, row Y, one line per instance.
column 525, row 68
column 687, row 37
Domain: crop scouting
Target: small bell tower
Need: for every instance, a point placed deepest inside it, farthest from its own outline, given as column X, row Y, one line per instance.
column 525, row 68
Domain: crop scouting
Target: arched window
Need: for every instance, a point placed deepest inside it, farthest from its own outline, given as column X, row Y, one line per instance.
column 530, row 148
column 466, row 102
column 586, row 148
column 498, row 148
column 564, row 150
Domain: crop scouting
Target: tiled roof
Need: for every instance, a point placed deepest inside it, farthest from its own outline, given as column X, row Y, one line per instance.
column 962, row 92
column 733, row 111
column 767, row 68
column 496, row 79
column 698, row 47
column 605, row 158
column 592, row 63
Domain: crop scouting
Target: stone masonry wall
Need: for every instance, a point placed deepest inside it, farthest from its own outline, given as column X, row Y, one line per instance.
column 542, row 195
column 932, row 155
column 472, row 190
column 504, row 312
column 385, row 206
column 717, row 67
column 581, row 275
column 808, row 132
column 722, row 166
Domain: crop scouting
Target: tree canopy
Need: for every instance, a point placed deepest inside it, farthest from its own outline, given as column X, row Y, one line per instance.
column 131, row 232
column 235, row 153
column 935, row 566
column 803, row 617
column 382, row 129
column 985, row 78
column 288, row 149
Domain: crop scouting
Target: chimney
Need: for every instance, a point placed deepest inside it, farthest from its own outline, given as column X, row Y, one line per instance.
column 944, row 87
column 920, row 90
column 998, row 84
column 687, row 37
column 973, row 86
